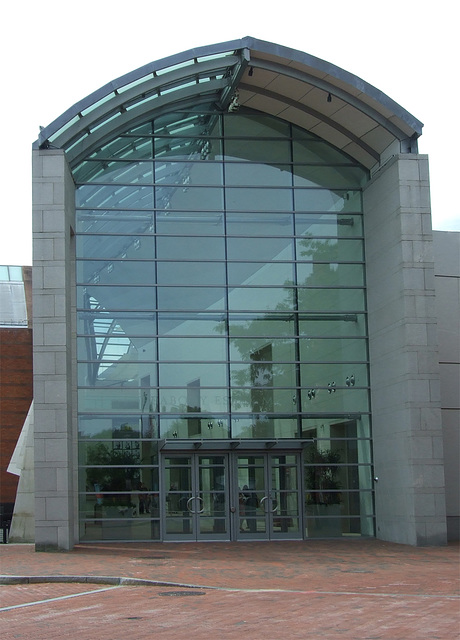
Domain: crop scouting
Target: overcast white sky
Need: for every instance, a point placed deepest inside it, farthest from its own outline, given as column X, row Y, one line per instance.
column 55, row 53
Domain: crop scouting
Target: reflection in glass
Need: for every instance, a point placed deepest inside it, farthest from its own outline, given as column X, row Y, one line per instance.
column 116, row 297
column 220, row 273
column 115, row 247
column 241, row 199
column 331, row 350
column 117, row 374
column 330, row 274
column 259, row 224
column 112, row 272
column 330, row 250
column 260, row 249
column 328, row 225
column 191, row 273
column 188, row 224
column 259, row 299
column 114, row 197
column 190, row 248
column 193, row 425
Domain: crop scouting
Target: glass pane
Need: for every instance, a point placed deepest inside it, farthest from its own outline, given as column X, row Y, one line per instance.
column 118, row 426
column 327, row 200
column 125, row 529
column 143, row 504
column 115, row 452
column 117, row 374
column 254, row 125
column 259, row 224
column 113, row 247
column 188, row 224
column 328, row 224
column 114, row 172
column 188, row 324
column 188, row 173
column 127, row 148
column 259, row 175
column 116, row 297
column 264, row 325
column 240, row 199
column 264, row 426
column 130, row 324
column 328, row 250
column 323, row 426
column 330, row 398
column 188, row 148
column 260, row 273
column 114, row 197
column 320, row 274
column 115, row 272
column 258, row 299
column 336, row 177
column 267, row 151
column 192, row 349
column 106, row 351
column 190, row 248
column 191, row 273
column 181, row 374
column 120, row 481
column 189, row 198
column 334, row 324
column 318, row 349
column 264, row 400
column 260, row 249
column 252, row 426
column 116, row 399
column 191, row 298
column 196, row 399
column 343, row 374
column 191, row 122
column 256, row 350
column 307, row 148
column 212, row 426
column 331, row 299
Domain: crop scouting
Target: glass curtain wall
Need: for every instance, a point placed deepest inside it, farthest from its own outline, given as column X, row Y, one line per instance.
column 220, row 294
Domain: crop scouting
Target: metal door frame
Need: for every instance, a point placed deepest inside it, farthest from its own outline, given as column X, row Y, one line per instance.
column 266, row 501
column 191, row 508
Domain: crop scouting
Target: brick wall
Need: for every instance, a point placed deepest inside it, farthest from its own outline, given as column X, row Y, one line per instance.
column 16, row 392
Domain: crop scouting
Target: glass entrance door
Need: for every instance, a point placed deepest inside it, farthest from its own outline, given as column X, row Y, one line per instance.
column 250, row 496
column 269, row 504
column 196, row 497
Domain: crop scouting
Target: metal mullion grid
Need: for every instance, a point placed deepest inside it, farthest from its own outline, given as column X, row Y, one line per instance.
column 155, row 269
column 296, row 294
column 227, row 325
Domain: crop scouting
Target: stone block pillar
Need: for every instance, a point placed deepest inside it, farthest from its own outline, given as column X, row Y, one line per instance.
column 53, row 309
column 405, row 388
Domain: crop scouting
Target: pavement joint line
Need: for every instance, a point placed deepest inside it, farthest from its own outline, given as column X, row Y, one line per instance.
column 121, row 581
column 72, row 595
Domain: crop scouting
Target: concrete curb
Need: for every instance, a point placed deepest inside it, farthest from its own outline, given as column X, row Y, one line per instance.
column 111, row 580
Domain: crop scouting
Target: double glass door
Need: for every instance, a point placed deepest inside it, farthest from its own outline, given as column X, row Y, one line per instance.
column 231, row 496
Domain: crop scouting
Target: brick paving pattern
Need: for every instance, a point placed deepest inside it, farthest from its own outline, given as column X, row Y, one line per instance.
column 316, row 589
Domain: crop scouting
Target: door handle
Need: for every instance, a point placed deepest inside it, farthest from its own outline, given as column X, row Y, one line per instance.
column 189, row 502
column 202, row 503
column 262, row 500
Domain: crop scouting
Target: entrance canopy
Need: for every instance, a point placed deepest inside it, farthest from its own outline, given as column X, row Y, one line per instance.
column 318, row 96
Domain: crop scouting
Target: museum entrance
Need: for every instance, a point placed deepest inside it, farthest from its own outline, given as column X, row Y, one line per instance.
column 231, row 496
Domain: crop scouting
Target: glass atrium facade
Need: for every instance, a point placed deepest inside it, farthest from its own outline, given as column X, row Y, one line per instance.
column 222, row 357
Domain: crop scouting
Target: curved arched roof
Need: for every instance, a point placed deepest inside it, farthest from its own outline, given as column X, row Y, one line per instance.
column 337, row 106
